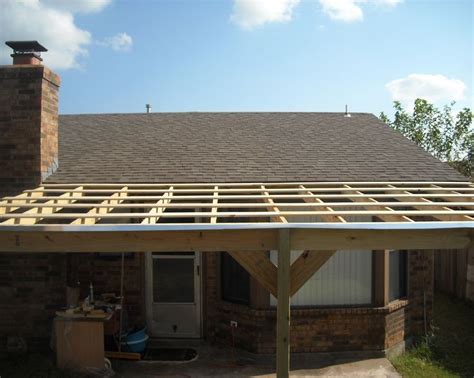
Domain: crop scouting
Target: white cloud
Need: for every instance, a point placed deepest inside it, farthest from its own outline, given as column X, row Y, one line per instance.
column 351, row 10
column 432, row 88
column 77, row 6
column 251, row 13
column 342, row 10
column 51, row 22
column 119, row 42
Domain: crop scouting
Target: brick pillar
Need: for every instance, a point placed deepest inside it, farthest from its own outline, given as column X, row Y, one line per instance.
column 28, row 126
column 420, row 289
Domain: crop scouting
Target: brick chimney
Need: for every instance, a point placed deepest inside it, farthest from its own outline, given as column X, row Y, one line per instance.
column 28, row 119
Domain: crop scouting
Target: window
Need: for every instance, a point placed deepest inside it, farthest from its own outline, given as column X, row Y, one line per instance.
column 235, row 281
column 397, row 285
column 345, row 279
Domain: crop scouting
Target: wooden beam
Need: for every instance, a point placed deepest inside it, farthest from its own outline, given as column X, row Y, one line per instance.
column 283, row 305
column 104, row 214
column 305, row 239
column 113, row 241
column 381, row 283
column 314, row 205
column 238, row 189
column 259, row 266
column 272, row 207
column 160, row 208
column 252, row 184
column 257, row 197
column 94, row 215
column 225, row 240
column 313, row 199
column 305, row 266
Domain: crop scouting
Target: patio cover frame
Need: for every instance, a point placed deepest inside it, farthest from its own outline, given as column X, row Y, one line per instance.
column 246, row 220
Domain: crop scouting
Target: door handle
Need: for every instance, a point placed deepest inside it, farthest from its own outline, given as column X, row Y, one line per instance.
column 198, row 270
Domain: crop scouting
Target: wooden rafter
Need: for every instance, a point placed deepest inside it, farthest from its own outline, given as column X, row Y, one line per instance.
column 433, row 206
column 215, row 201
column 25, row 198
column 272, row 207
column 97, row 213
column 51, row 206
column 451, row 192
column 160, row 207
column 386, row 218
column 216, row 204
column 313, row 199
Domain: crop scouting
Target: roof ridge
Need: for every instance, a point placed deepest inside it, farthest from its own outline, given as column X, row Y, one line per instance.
column 212, row 112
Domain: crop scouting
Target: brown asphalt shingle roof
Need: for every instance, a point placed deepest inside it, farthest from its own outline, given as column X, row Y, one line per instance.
column 239, row 147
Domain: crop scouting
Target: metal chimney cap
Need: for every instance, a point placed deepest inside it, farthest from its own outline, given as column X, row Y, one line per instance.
column 26, row 46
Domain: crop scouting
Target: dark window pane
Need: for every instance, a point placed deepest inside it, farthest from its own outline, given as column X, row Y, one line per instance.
column 398, row 275
column 173, row 280
column 235, row 281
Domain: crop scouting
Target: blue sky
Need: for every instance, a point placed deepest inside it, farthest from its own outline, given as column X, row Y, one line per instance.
column 244, row 56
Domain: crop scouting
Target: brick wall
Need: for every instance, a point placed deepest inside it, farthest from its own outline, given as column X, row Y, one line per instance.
column 324, row 329
column 33, row 288
column 420, row 293
column 28, row 126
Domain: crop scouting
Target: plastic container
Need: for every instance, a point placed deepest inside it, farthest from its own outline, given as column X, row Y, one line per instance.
column 135, row 342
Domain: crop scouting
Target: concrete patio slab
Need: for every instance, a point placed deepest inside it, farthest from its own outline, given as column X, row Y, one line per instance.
column 219, row 361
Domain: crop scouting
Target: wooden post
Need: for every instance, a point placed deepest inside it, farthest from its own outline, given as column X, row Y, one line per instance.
column 283, row 306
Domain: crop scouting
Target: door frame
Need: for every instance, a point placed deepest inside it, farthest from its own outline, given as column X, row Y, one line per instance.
column 198, row 293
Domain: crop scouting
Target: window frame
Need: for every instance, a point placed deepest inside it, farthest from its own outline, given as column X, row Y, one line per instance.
column 224, row 275
column 403, row 276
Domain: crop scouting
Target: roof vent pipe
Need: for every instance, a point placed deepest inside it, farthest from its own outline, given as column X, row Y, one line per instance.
column 148, row 108
column 346, row 113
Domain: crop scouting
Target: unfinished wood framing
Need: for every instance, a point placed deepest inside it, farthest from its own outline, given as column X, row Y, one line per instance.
column 160, row 208
column 89, row 204
column 251, row 218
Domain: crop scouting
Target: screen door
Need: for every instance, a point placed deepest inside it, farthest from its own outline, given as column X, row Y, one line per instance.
column 173, row 294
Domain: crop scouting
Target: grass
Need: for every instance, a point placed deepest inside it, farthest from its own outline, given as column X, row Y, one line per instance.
column 449, row 349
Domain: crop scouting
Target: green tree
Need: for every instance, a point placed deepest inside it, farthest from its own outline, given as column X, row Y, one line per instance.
column 446, row 136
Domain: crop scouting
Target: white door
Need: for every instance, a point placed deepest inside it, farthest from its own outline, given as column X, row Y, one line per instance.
column 174, row 294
